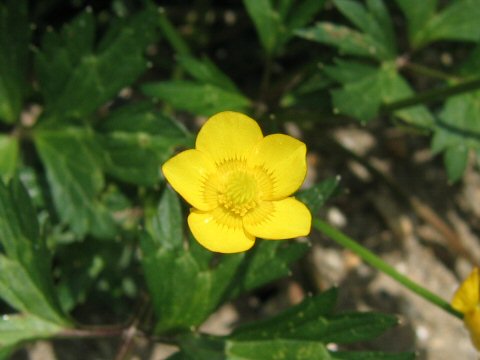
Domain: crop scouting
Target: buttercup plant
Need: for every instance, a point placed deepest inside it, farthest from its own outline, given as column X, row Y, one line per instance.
column 239, row 184
column 97, row 107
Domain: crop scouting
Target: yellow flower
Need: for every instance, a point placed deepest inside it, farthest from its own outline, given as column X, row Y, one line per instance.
column 467, row 301
column 239, row 184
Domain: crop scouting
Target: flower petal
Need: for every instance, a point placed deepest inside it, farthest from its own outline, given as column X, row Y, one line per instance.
column 228, row 135
column 467, row 297
column 216, row 236
column 472, row 322
column 276, row 220
column 188, row 173
column 284, row 158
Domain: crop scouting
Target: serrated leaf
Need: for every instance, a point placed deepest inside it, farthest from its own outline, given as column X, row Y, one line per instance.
column 458, row 123
column 456, row 131
column 71, row 159
column 19, row 290
column 418, row 13
column 25, row 277
column 136, row 140
column 349, row 328
column 266, row 262
column 305, row 321
column 299, row 332
column 14, row 42
column 186, row 289
column 90, row 80
column 363, row 97
column 8, row 156
column 317, row 195
column 267, row 22
column 202, row 99
column 16, row 328
column 301, row 14
column 373, row 21
column 459, row 22
column 127, row 157
column 347, row 40
column 206, row 71
column 153, row 130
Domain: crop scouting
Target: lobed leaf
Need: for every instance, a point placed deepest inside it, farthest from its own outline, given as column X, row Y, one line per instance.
column 82, row 79
column 203, row 99
column 186, row 286
column 266, row 21
column 71, row 158
column 363, row 96
column 458, row 22
column 25, row 278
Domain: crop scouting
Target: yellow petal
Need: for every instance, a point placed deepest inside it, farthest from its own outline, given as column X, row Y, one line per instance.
column 216, row 236
column 188, row 173
column 467, row 296
column 472, row 322
column 284, row 158
column 276, row 220
column 228, row 136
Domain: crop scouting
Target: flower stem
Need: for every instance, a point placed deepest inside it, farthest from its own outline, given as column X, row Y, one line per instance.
column 432, row 95
column 378, row 263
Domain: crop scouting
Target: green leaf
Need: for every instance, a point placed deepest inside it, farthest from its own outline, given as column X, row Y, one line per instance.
column 19, row 290
column 154, row 130
column 418, row 13
column 82, row 79
column 127, row 157
column 25, row 275
column 14, row 42
column 166, row 225
column 459, row 22
column 362, row 97
column 136, row 140
column 71, row 158
column 202, row 99
column 300, row 332
column 186, row 289
column 276, row 349
column 15, row 329
column 266, row 262
column 370, row 355
column 317, row 195
column 301, row 14
column 374, row 22
column 8, row 156
column 456, row 131
column 306, row 321
column 207, row 72
column 458, row 123
column 266, row 21
column 456, row 159
column 347, row 40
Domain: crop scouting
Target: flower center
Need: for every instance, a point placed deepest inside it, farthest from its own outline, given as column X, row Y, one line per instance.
column 239, row 194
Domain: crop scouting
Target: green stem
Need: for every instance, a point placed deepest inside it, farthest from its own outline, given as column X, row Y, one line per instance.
column 426, row 71
column 432, row 96
column 378, row 263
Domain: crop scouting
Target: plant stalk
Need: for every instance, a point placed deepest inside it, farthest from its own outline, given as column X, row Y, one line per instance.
column 381, row 265
column 432, row 96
